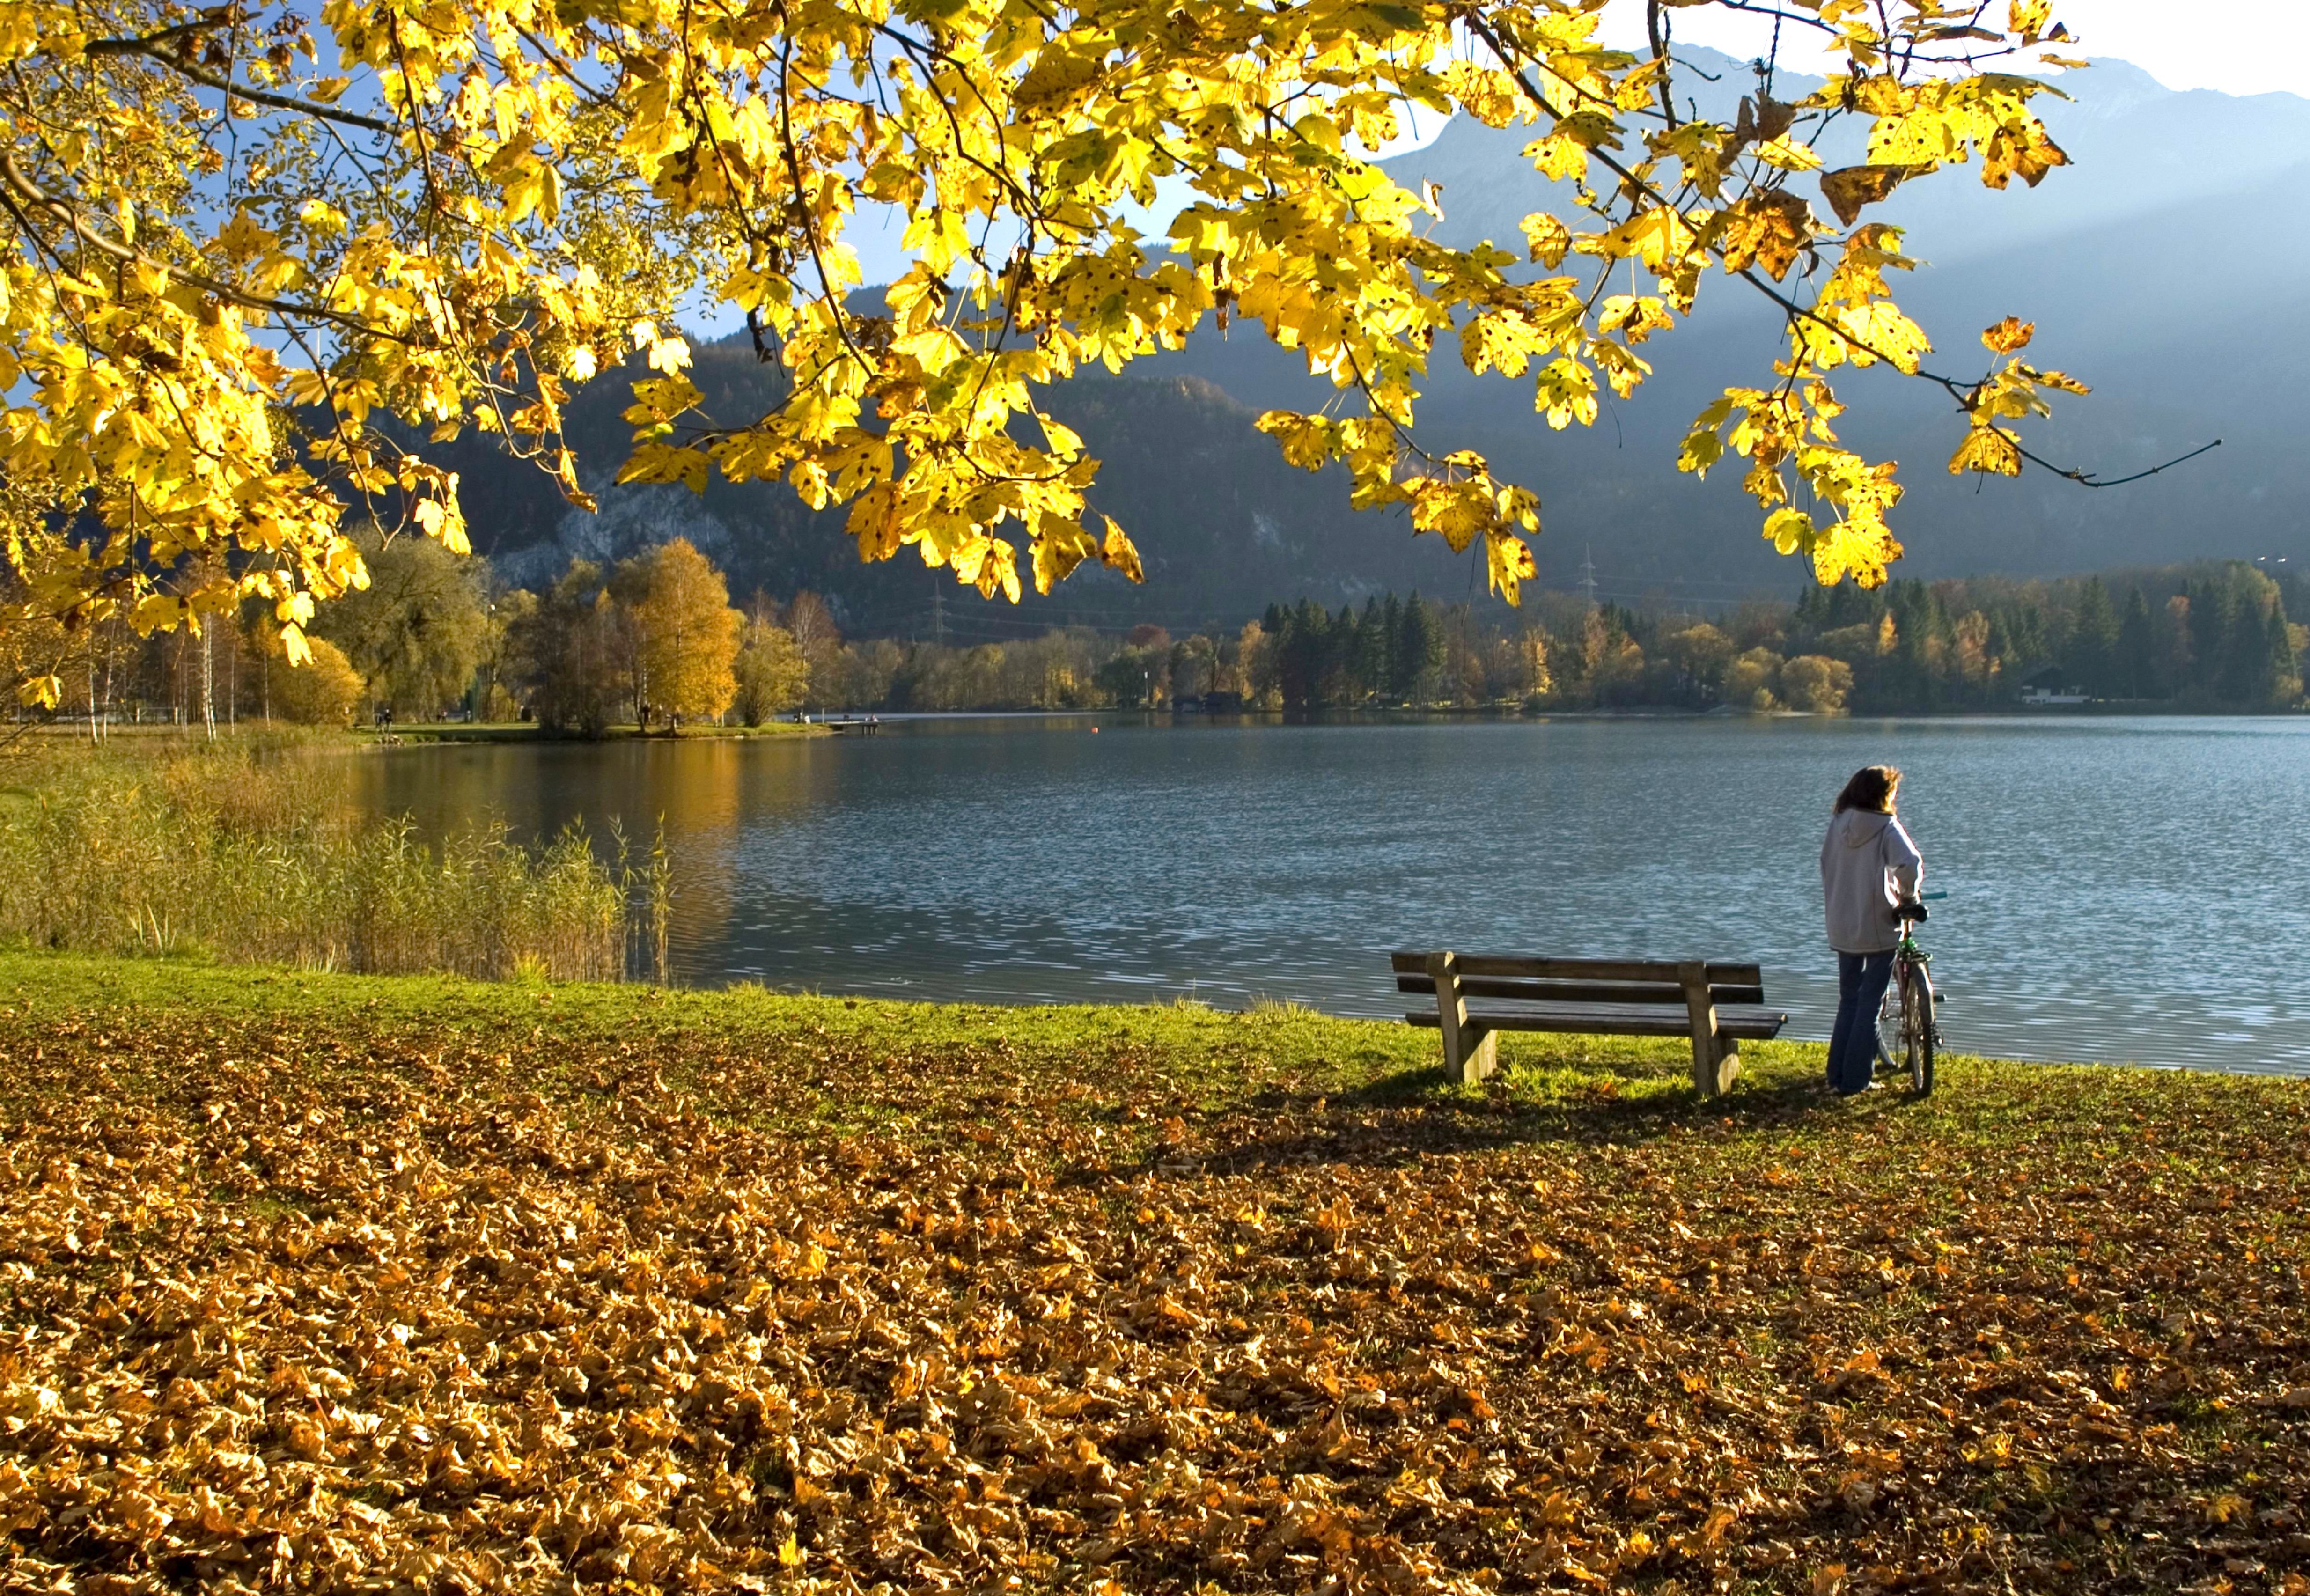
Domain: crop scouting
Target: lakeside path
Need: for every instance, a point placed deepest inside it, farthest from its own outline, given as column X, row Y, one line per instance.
column 324, row 1282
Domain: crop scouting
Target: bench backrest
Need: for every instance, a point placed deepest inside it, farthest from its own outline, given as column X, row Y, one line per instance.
column 1579, row 980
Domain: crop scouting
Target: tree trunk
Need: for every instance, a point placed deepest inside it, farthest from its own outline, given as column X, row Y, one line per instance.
column 208, row 681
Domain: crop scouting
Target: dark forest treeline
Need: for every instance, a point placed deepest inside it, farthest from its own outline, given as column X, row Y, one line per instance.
column 2212, row 636
column 654, row 640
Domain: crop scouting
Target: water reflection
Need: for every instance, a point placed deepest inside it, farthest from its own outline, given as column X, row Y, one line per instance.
column 2117, row 887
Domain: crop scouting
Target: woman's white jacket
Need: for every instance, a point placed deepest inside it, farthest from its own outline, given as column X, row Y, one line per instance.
column 1867, row 865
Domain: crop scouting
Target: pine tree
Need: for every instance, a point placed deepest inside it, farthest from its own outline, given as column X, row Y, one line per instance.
column 2031, row 647
column 2181, row 665
column 1290, row 637
column 1999, row 645
column 1419, row 651
column 2093, row 639
column 1367, row 654
column 2137, row 650
column 1391, row 649
column 1850, row 604
column 1314, row 623
column 1340, row 658
column 1905, row 676
column 2245, row 648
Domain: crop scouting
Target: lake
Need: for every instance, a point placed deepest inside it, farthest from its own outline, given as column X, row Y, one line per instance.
column 2118, row 889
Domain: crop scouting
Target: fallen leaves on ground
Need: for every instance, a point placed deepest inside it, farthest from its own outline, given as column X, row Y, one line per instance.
column 360, row 1308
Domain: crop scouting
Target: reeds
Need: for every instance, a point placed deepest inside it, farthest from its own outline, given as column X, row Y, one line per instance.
column 249, row 854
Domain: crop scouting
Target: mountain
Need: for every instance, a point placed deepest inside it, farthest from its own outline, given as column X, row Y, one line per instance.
column 1223, row 524
column 2168, row 266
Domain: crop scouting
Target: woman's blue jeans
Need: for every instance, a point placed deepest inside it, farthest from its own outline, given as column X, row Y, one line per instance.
column 1861, row 979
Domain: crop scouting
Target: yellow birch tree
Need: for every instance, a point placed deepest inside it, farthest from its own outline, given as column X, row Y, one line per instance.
column 688, row 635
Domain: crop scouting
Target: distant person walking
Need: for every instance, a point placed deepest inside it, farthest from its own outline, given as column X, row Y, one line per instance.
column 1867, row 864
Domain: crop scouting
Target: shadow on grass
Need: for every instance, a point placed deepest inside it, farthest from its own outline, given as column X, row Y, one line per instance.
column 1416, row 1113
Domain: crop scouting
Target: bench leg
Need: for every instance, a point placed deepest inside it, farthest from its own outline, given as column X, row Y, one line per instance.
column 1715, row 1078
column 1470, row 1053
column 1478, row 1059
column 1715, row 1057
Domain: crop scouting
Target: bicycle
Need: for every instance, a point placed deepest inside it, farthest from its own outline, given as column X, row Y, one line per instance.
column 1907, row 1032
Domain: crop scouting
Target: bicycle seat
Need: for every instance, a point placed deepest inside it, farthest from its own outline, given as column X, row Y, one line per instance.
column 1911, row 910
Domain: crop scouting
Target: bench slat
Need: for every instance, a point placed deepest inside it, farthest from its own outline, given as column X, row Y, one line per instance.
column 1582, row 991
column 1615, row 1019
column 1577, row 969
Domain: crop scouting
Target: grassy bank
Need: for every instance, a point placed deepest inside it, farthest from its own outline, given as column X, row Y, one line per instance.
column 329, row 1282
column 248, row 850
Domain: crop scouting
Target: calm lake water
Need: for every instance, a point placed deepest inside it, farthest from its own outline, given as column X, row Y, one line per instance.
column 2118, row 889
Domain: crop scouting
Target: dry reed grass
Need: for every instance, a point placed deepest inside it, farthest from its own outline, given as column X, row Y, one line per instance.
column 249, row 852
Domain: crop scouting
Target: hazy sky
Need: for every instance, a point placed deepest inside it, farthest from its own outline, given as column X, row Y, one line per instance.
column 2240, row 47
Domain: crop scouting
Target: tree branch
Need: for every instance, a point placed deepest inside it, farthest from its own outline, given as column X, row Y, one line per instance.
column 67, row 215
column 1656, row 35
column 2086, row 479
column 226, row 86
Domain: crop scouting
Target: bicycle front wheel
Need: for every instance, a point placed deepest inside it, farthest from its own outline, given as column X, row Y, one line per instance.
column 1891, row 1044
column 1917, row 1029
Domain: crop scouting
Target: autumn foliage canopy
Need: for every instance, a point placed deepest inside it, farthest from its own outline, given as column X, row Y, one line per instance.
column 263, row 263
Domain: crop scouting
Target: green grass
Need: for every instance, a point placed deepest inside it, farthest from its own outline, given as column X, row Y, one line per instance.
column 1212, row 1059
column 1209, row 1056
column 1175, row 1298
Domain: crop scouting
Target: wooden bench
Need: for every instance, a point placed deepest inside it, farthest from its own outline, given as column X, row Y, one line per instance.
column 1718, row 1006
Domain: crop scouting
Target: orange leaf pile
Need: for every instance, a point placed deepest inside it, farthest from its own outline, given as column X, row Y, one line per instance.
column 361, row 1307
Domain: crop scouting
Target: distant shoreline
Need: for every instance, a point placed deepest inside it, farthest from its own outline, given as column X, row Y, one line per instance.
column 515, row 731
column 456, row 733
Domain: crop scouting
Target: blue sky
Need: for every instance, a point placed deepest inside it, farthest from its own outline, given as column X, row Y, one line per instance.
column 2239, row 47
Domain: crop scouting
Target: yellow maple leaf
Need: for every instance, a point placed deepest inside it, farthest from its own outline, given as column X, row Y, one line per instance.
column 2011, row 334
column 1508, row 563
column 1118, row 553
column 1988, row 449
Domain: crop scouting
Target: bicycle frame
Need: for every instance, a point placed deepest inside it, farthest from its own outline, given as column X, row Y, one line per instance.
column 1912, row 971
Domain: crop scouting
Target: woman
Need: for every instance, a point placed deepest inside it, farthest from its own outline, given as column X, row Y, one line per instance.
column 1867, row 864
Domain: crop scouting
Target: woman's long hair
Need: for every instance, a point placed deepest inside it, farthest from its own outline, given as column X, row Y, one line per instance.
column 1871, row 788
